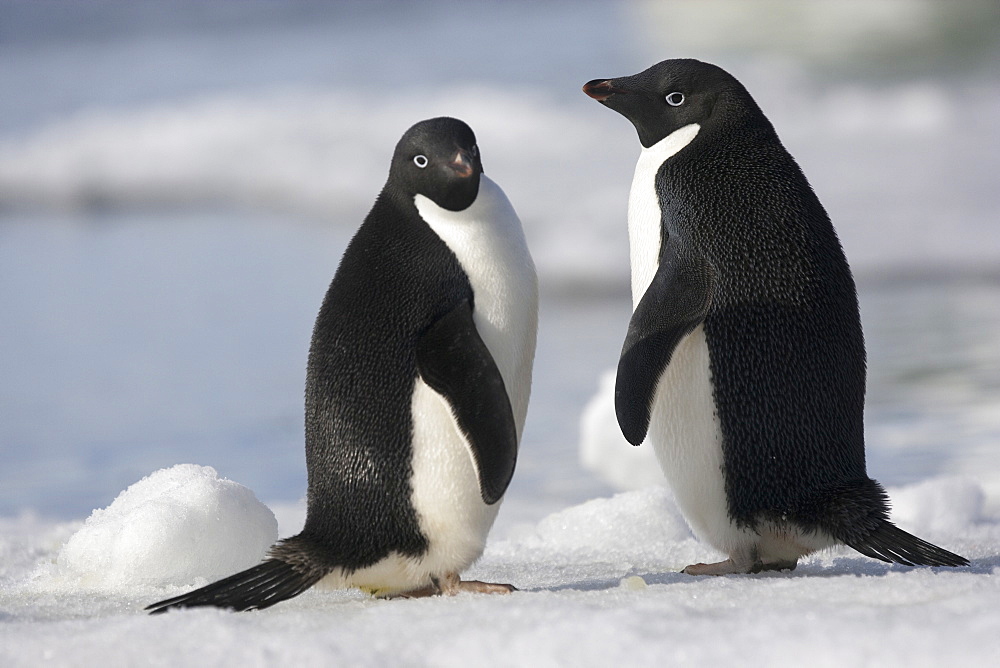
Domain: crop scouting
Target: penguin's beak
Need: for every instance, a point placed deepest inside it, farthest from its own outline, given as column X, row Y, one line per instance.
column 462, row 164
column 601, row 89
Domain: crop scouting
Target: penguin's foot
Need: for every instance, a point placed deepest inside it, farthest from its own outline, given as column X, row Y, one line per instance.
column 451, row 584
column 780, row 565
column 485, row 587
column 419, row 592
column 727, row 567
column 730, row 567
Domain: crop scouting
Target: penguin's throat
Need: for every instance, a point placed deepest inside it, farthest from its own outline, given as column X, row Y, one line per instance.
column 644, row 214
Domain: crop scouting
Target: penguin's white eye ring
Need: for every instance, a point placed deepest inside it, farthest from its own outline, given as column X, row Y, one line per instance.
column 420, row 161
column 675, row 99
column 475, row 150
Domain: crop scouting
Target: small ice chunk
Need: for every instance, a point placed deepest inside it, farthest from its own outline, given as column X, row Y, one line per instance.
column 171, row 527
column 633, row 583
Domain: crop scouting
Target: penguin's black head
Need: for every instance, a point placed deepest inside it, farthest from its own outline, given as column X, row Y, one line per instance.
column 675, row 93
column 439, row 159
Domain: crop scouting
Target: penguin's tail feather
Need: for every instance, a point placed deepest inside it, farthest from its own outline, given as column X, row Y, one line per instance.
column 256, row 588
column 857, row 514
column 292, row 567
column 890, row 543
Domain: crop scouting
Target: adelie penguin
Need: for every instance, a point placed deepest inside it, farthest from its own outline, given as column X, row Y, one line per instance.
column 417, row 388
column 744, row 362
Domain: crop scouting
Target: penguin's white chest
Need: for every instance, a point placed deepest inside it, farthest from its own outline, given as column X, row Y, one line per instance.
column 684, row 427
column 685, row 433
column 489, row 242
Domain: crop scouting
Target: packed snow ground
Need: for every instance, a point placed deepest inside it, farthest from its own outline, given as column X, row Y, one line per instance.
column 598, row 586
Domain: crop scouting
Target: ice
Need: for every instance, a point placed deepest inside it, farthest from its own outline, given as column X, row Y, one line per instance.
column 318, row 153
column 172, row 527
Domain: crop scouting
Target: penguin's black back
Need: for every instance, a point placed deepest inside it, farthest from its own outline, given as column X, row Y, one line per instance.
column 784, row 333
column 396, row 278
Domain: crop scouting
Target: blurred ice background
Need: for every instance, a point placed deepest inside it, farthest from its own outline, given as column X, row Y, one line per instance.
column 178, row 181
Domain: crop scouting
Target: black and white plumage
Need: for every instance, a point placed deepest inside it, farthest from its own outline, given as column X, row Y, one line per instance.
column 417, row 387
column 744, row 362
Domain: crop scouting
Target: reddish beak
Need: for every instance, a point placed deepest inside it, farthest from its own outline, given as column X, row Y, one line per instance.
column 462, row 164
column 601, row 89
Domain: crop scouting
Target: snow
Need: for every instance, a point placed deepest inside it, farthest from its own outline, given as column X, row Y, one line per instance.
column 171, row 527
column 598, row 586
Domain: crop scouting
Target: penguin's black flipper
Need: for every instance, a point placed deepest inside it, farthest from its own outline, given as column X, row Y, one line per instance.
column 676, row 301
column 267, row 583
column 454, row 361
column 890, row 543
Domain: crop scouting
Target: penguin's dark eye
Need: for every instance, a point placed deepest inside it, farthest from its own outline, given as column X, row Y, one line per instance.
column 675, row 99
column 420, row 161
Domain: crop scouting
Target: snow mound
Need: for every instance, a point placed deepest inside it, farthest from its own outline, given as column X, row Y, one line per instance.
column 938, row 506
column 606, row 453
column 170, row 528
column 636, row 529
column 644, row 522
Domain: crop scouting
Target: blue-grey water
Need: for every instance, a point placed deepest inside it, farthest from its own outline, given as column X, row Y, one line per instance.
column 177, row 182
